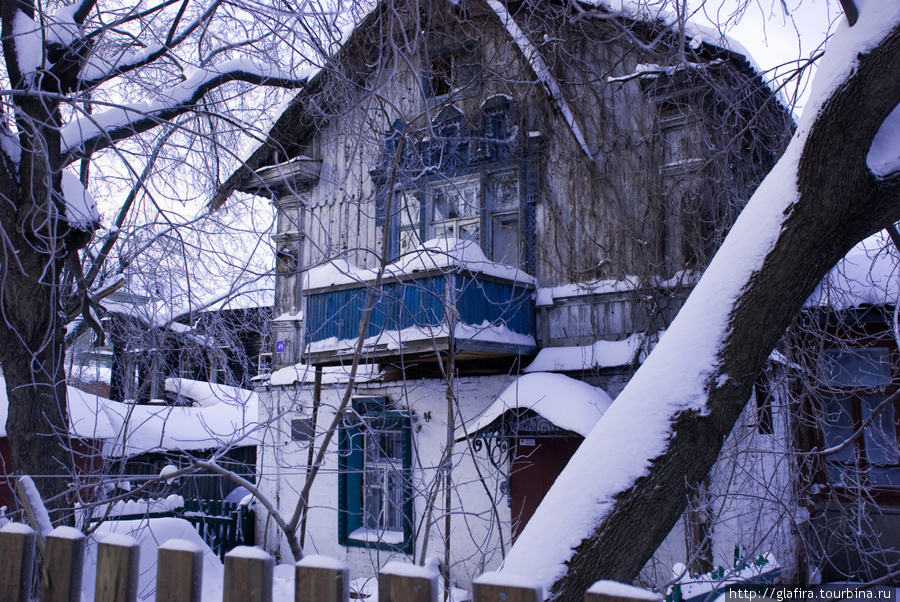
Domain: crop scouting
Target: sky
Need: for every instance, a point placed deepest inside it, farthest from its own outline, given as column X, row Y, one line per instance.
column 774, row 39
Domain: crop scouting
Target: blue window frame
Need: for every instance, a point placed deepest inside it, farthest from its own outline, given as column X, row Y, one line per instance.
column 374, row 479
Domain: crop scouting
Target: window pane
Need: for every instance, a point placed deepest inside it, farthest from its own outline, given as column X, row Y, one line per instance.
column 443, row 207
column 870, row 367
column 469, row 232
column 881, row 434
column 445, row 230
column 409, row 210
column 506, row 247
column 383, row 495
column 409, row 238
column 837, row 426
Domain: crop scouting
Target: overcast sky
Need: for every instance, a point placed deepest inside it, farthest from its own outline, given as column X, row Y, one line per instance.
column 775, row 40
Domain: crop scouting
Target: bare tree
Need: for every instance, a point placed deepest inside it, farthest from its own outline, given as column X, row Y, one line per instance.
column 85, row 86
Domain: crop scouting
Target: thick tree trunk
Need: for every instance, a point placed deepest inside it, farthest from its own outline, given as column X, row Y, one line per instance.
column 32, row 253
column 32, row 352
column 840, row 203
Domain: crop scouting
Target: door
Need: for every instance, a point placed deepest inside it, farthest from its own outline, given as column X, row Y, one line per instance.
column 536, row 462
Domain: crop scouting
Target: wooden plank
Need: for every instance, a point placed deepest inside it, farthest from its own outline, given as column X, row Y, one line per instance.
column 16, row 562
column 403, row 582
column 180, row 572
column 248, row 575
column 612, row 591
column 497, row 587
column 63, row 565
column 117, row 569
column 321, row 579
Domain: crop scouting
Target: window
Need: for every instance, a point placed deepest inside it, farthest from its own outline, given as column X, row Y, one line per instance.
column 452, row 71
column 374, row 479
column 462, row 208
column 680, row 143
column 855, row 382
column 456, row 211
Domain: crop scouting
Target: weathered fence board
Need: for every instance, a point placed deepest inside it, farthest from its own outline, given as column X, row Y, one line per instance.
column 321, row 579
column 402, row 582
column 16, row 562
column 117, row 569
column 182, row 564
column 497, row 587
column 63, row 565
column 248, row 575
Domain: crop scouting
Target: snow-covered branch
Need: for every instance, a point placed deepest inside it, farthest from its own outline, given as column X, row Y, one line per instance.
column 94, row 132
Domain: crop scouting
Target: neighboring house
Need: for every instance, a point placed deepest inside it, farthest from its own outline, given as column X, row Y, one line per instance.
column 500, row 206
column 117, row 446
column 844, row 374
column 224, row 346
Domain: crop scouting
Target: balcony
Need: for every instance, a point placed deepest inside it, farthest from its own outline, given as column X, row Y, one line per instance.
column 443, row 298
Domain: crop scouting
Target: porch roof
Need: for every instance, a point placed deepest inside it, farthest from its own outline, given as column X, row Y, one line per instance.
column 569, row 404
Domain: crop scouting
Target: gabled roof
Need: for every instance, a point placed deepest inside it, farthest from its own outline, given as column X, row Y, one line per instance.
column 298, row 121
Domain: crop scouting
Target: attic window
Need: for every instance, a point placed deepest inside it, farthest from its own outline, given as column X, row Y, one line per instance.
column 440, row 75
column 451, row 71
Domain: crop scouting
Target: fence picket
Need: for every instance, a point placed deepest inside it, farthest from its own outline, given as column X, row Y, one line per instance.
column 321, row 579
column 182, row 564
column 117, row 569
column 248, row 575
column 63, row 565
column 402, row 582
column 16, row 562
column 498, row 587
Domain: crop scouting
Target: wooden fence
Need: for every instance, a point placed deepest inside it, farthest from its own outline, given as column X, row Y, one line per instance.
column 248, row 574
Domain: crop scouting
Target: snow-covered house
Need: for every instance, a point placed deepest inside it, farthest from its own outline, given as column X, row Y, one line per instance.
column 843, row 370
column 487, row 212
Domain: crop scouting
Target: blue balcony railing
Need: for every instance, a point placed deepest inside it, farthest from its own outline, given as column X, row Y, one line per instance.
column 452, row 306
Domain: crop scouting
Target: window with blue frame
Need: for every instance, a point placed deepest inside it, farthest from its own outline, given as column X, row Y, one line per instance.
column 374, row 479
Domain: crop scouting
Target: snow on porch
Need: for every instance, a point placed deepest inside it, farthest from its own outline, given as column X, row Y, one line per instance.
column 569, row 404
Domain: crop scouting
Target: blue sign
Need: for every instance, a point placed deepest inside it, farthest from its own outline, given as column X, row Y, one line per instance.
column 280, row 346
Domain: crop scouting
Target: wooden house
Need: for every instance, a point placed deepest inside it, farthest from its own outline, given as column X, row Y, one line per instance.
column 465, row 190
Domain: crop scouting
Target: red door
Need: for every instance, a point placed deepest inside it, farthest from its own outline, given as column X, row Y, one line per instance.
column 536, row 464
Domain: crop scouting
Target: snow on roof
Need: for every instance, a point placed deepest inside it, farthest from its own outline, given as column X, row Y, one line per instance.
column 568, row 403
column 229, row 420
column 546, row 295
column 301, row 373
column 867, row 275
column 602, row 354
column 85, row 418
column 205, row 394
column 232, row 421
column 486, row 332
column 435, row 254
column 657, row 10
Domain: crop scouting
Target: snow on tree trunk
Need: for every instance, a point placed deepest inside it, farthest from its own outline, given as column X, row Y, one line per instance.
column 628, row 483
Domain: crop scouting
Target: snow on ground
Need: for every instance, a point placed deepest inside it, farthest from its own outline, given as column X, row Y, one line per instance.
column 674, row 378
column 150, row 534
